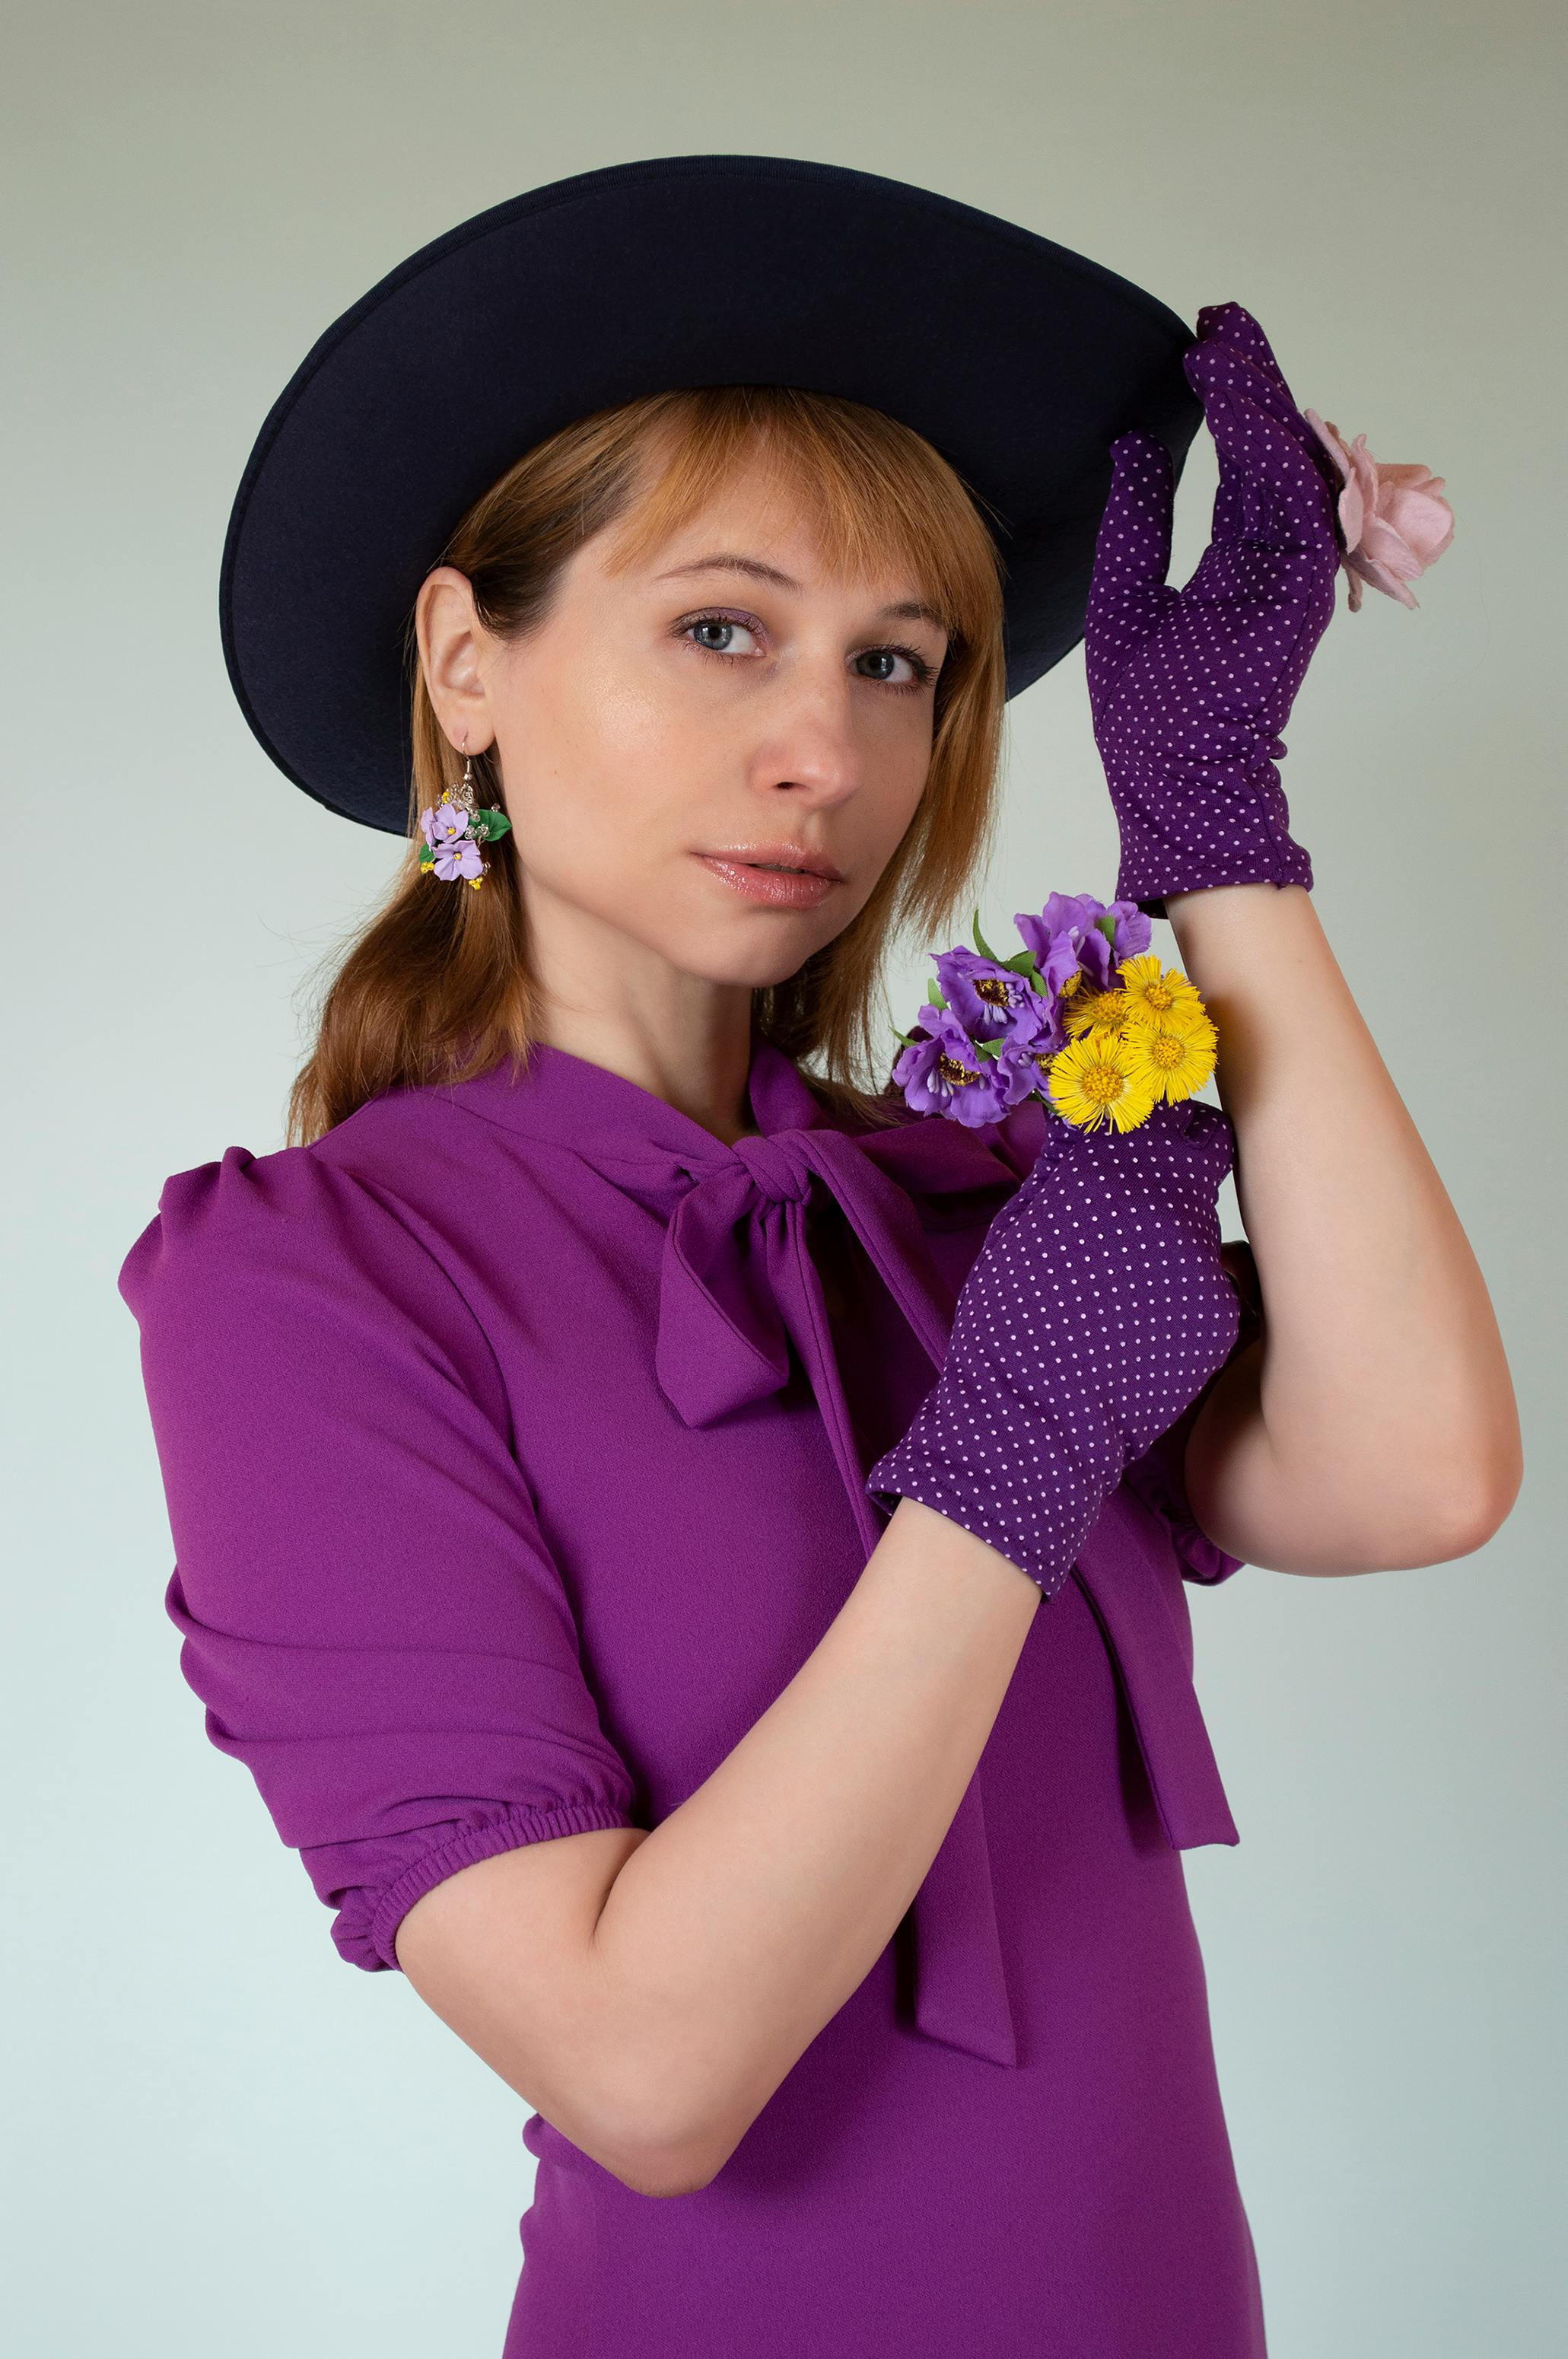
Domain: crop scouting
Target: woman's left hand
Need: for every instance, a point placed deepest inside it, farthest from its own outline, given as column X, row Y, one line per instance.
column 1190, row 688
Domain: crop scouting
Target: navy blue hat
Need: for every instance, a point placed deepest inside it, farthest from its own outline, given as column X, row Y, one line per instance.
column 1020, row 361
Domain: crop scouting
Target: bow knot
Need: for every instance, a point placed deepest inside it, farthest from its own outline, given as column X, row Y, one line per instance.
column 737, row 1282
column 782, row 1174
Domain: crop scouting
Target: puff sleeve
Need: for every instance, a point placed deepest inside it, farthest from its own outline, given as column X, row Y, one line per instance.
column 368, row 1609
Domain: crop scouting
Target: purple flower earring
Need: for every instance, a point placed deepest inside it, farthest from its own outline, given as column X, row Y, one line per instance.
column 455, row 828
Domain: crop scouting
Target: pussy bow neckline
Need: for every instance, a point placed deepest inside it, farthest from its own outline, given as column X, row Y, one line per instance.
column 737, row 1280
column 738, row 1284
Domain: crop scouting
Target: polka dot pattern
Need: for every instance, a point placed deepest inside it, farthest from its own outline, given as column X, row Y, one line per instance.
column 1096, row 1310
column 1189, row 688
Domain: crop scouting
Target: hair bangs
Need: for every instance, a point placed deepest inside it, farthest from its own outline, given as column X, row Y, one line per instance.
column 877, row 496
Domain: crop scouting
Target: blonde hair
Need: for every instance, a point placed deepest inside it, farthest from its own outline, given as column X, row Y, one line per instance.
column 439, row 985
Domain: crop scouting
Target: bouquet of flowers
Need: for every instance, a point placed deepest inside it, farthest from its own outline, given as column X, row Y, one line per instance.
column 1084, row 1017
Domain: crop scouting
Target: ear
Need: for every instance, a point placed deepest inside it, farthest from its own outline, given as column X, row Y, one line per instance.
column 454, row 654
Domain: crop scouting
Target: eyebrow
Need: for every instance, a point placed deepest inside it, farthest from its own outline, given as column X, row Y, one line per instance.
column 909, row 610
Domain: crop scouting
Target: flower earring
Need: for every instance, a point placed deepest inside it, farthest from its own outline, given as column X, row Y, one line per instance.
column 455, row 828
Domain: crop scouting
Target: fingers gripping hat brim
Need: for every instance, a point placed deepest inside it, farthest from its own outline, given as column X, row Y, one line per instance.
column 1020, row 361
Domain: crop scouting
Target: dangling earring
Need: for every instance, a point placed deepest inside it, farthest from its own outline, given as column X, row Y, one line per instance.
column 455, row 828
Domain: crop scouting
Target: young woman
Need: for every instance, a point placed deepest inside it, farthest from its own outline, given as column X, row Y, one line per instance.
column 614, row 1473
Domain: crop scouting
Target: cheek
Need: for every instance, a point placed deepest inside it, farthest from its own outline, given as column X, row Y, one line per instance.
column 643, row 732
column 895, row 763
column 607, row 769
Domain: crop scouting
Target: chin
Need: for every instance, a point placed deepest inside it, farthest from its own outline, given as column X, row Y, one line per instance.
column 766, row 963
column 746, row 947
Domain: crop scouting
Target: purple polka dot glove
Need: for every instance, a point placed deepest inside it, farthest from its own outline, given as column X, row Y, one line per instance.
column 1096, row 1310
column 1189, row 688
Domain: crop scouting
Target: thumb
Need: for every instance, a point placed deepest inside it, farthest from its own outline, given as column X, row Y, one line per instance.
column 1132, row 549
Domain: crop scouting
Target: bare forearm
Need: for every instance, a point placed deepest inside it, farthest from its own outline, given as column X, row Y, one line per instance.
column 1376, row 1423
column 749, row 1916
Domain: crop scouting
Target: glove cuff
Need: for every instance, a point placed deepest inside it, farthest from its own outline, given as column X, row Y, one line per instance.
column 1196, row 875
column 1036, row 1516
column 1236, row 831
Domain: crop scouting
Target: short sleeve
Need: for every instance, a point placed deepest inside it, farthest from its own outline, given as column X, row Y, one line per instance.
column 1158, row 1478
column 368, row 1609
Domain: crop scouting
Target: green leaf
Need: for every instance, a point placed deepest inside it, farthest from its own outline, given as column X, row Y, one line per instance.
column 909, row 1038
column 489, row 825
column 1023, row 964
column 1106, row 926
column 981, row 944
column 988, row 1048
column 934, row 993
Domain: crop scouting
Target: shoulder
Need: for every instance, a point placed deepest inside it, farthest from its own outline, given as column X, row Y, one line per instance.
column 347, row 1228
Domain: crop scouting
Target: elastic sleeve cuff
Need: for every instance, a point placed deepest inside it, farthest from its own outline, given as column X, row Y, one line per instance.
column 474, row 1843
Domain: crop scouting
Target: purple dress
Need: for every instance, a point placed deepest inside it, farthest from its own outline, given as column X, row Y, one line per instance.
column 514, row 1437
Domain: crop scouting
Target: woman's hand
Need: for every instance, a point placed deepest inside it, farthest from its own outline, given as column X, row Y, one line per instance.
column 1096, row 1310
column 1190, row 688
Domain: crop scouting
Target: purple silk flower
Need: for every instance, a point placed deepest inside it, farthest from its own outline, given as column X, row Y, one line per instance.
column 984, row 1040
column 1068, row 939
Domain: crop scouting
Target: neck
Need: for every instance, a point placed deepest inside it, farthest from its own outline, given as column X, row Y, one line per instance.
column 607, row 997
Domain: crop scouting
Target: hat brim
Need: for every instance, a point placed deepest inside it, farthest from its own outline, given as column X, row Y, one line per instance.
column 1019, row 360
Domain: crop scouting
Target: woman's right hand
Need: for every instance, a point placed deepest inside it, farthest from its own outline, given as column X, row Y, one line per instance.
column 1096, row 1310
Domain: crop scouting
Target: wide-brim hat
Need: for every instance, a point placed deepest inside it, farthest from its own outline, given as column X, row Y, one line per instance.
column 1020, row 361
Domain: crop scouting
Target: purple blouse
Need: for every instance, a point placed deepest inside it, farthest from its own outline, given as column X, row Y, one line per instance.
column 515, row 1437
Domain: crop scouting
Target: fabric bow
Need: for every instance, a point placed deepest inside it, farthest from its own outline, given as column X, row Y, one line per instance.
column 736, row 1286
column 737, row 1276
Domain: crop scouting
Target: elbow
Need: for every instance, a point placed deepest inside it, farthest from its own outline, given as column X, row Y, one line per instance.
column 656, row 2147
column 671, row 2098
column 652, row 2164
column 1455, row 1511
column 1472, row 1511
column 1477, row 1486
column 1470, row 1477
column 683, row 2148
column 660, row 2171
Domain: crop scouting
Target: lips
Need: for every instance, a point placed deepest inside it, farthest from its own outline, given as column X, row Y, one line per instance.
column 790, row 856
column 785, row 888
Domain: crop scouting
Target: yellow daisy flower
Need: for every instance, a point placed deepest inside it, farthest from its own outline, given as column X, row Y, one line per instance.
column 1169, row 1061
column 1161, row 993
column 1091, row 1082
column 1089, row 1010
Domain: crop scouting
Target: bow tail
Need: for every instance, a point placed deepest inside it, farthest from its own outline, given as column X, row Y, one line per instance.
column 960, row 1989
column 960, row 1985
column 1122, row 1577
column 884, row 1218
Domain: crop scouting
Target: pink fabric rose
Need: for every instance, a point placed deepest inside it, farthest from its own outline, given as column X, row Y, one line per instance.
column 1395, row 520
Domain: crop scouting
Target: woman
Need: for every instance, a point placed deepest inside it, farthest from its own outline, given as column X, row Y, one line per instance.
column 614, row 1475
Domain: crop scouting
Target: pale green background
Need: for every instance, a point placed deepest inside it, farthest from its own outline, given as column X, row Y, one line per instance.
column 226, row 2141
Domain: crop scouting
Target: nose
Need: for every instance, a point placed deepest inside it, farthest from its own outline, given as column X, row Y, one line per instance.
column 810, row 746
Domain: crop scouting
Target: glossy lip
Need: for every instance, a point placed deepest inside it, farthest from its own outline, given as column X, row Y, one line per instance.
column 788, row 855
column 778, row 889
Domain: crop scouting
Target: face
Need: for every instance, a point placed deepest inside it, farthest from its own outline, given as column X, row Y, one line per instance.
column 725, row 702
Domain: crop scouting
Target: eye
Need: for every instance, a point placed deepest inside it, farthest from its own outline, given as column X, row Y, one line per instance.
column 736, row 639
column 885, row 662
column 717, row 634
